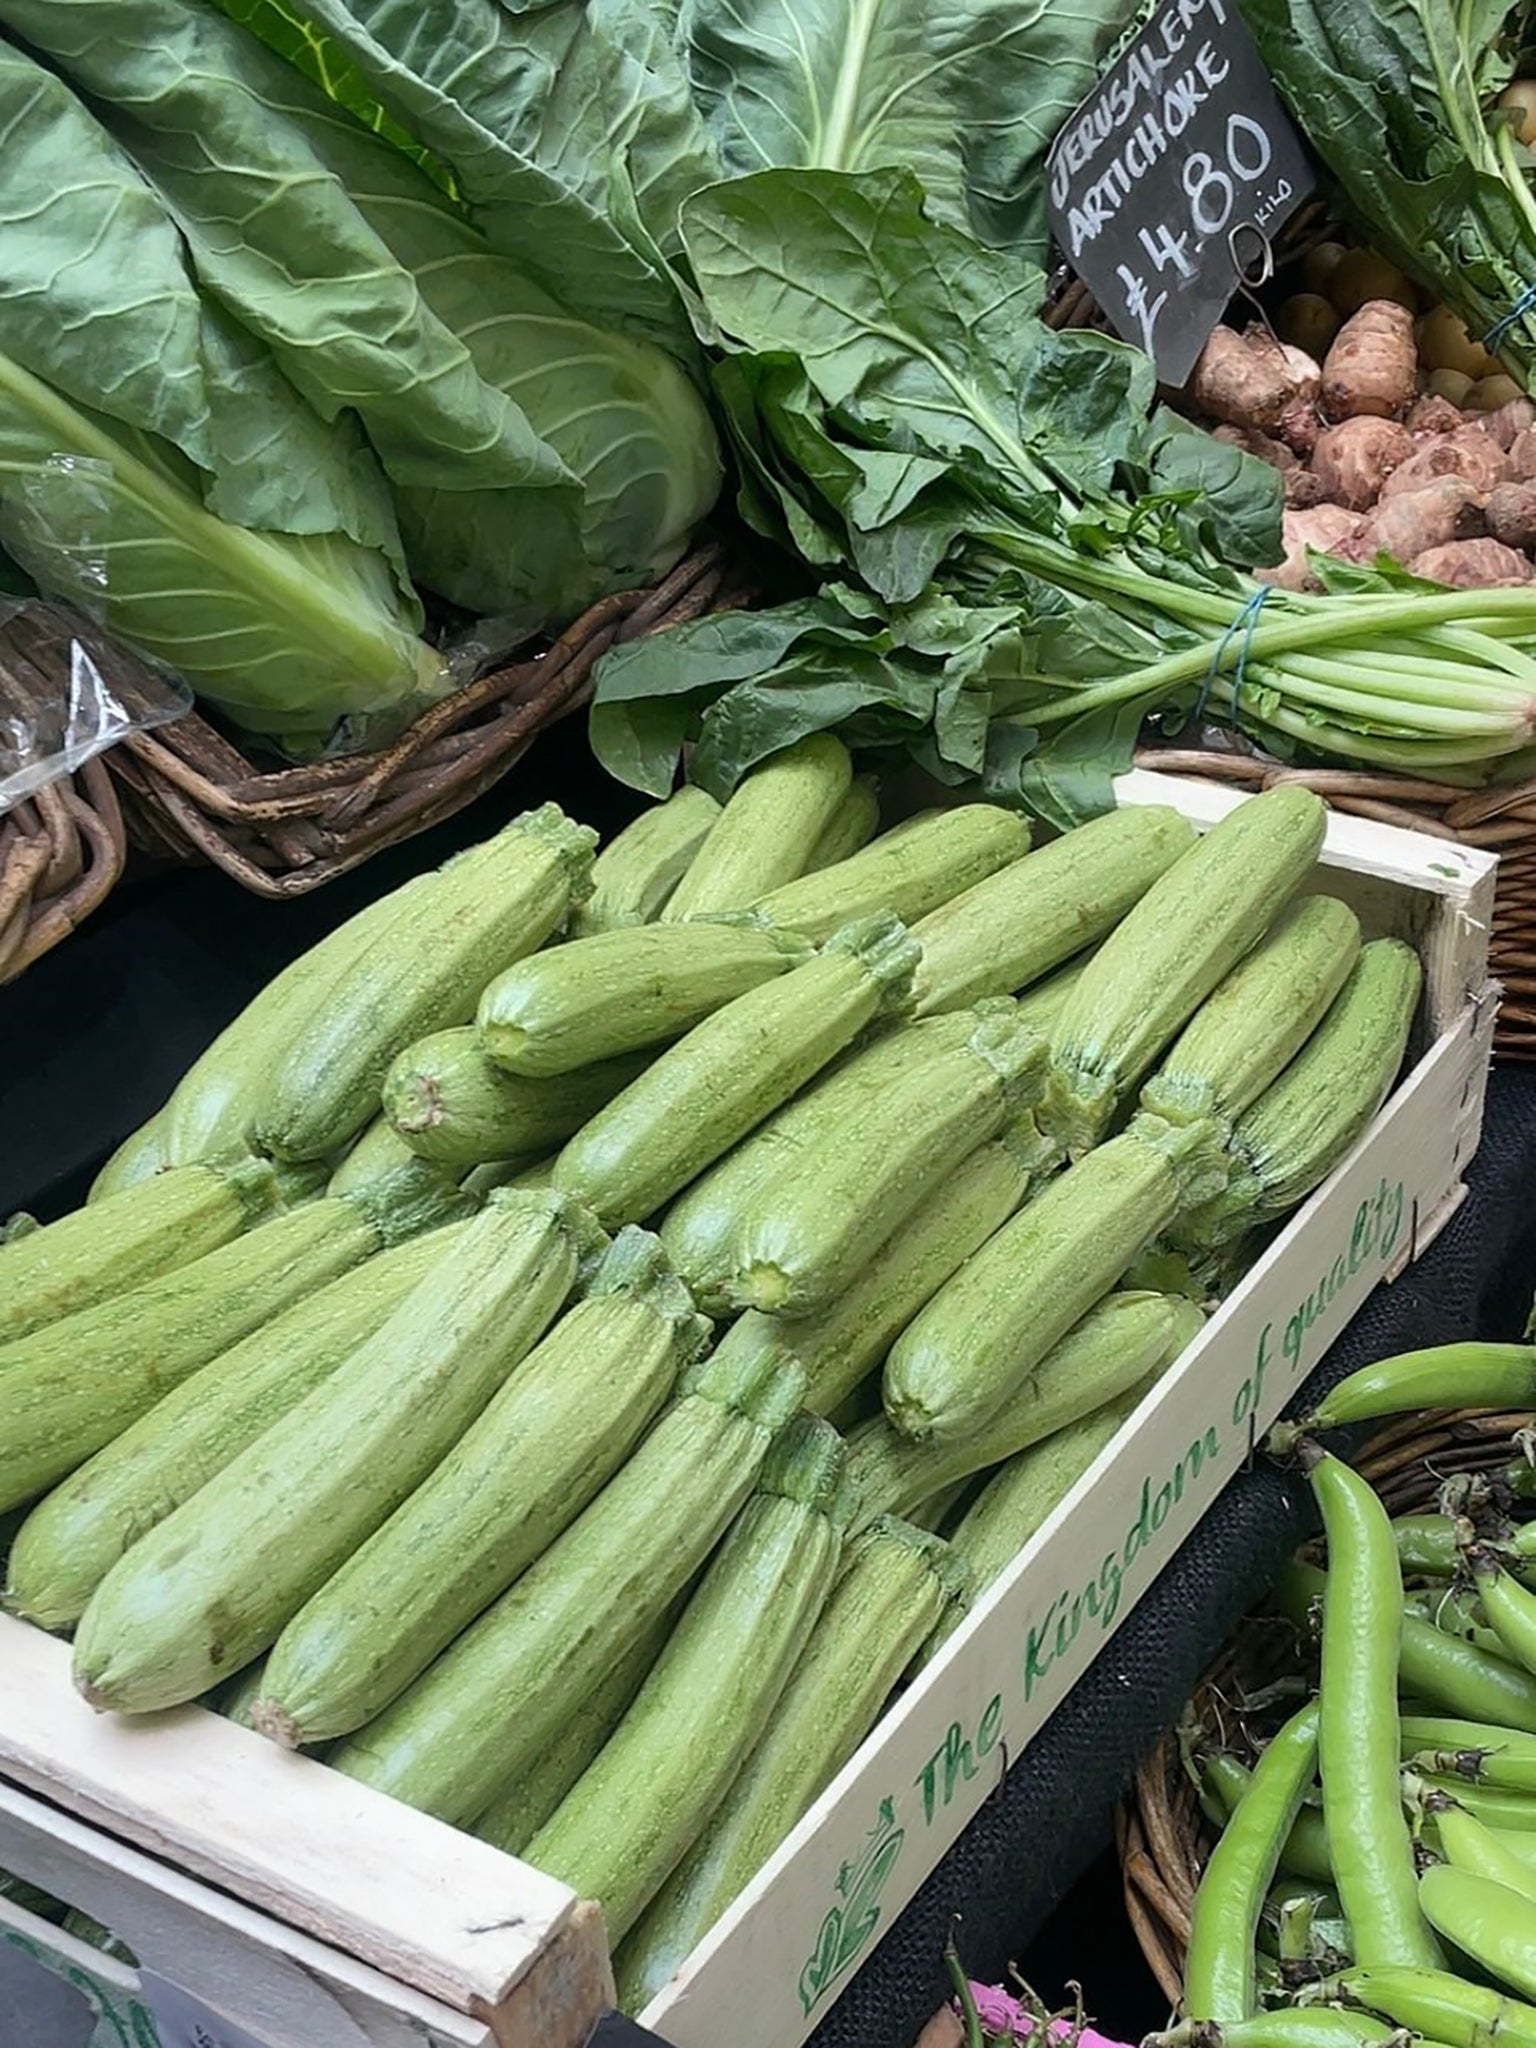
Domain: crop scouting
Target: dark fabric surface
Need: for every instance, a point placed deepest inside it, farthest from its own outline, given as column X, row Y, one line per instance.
column 1024, row 1853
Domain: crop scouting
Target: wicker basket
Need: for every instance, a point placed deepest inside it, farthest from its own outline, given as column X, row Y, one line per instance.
column 61, row 850
column 1161, row 1834
column 190, row 793
column 1501, row 821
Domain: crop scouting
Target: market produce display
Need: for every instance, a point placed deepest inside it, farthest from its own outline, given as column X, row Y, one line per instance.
column 665, row 1326
column 1375, row 1868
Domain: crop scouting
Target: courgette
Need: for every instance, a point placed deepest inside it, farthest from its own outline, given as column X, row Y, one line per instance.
column 622, row 991
column 852, row 825
column 545, row 1445
column 635, row 874
column 484, row 909
column 839, row 1348
column 701, row 1229
column 1244, row 1035
column 896, row 1585
column 382, row 1154
column 820, row 1221
column 488, row 1709
column 1022, row 1494
column 1113, row 1347
column 213, row 1107
column 1029, row 917
column 78, row 1383
column 1043, row 1001
column 119, row 1243
column 76, row 1533
column 767, row 831
column 703, row 1094
column 449, row 1104
column 911, row 870
column 1160, row 963
column 968, row 1354
column 212, row 1586
column 1305, row 1122
column 508, row 1173
column 512, row 1820
column 630, row 1818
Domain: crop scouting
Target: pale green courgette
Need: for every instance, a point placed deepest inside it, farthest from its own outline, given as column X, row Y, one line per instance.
column 911, row 871
column 76, row 1533
column 450, row 1104
column 78, row 1383
column 838, row 1349
column 701, row 1228
column 213, row 1106
column 512, row 1820
column 382, row 1154
column 1166, row 956
column 213, row 1585
column 703, row 1094
column 544, row 1446
column 485, row 909
column 509, row 1173
column 820, row 1221
column 621, row 991
column 1304, row 1123
column 235, row 1698
column 631, row 1817
column 1114, row 1347
column 969, row 1353
column 1021, row 1495
column 896, row 1585
column 1043, row 1001
column 119, row 1243
column 635, row 873
column 767, row 831
column 1244, row 1035
column 1036, row 913
column 490, row 1706
column 852, row 825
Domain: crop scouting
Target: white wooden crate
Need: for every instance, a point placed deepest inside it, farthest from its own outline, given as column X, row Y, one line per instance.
column 315, row 1913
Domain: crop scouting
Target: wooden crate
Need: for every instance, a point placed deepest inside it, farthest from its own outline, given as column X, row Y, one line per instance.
column 278, row 1893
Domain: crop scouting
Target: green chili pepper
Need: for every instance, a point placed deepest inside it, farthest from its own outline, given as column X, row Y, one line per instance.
column 1304, row 1852
column 1448, row 1376
column 1510, row 1609
column 1454, row 1614
column 1307, row 2026
column 1469, row 1846
column 1449, row 1674
column 1510, row 1812
column 1473, row 1750
column 1486, row 1921
column 1439, row 2006
column 1219, row 1969
column 1357, row 1736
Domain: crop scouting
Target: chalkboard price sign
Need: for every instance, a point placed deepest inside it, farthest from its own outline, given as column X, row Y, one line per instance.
column 1172, row 177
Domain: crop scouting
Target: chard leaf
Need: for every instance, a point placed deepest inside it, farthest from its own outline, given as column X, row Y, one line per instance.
column 288, row 634
column 652, row 694
column 968, row 95
column 97, row 296
column 1068, row 777
column 910, row 323
column 1237, row 499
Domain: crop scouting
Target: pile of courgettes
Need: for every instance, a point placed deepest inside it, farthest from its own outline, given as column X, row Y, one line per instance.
column 590, row 1324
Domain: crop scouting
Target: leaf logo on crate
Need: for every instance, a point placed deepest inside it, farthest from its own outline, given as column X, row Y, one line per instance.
column 847, row 1927
column 118, row 2025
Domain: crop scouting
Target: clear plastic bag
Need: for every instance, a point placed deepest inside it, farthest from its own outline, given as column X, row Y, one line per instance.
column 68, row 693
